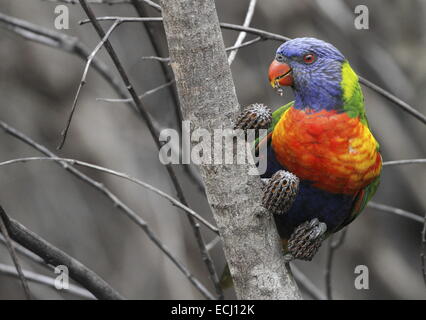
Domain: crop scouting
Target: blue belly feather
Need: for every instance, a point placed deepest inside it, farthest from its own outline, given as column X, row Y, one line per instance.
column 311, row 202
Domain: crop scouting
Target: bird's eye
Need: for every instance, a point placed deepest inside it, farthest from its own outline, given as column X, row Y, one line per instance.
column 309, row 58
column 279, row 58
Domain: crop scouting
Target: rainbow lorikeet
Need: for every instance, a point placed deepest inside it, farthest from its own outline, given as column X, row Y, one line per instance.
column 322, row 137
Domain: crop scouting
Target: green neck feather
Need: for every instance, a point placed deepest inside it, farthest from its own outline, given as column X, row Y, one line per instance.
column 353, row 100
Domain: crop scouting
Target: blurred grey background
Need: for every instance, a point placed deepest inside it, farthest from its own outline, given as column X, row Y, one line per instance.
column 37, row 86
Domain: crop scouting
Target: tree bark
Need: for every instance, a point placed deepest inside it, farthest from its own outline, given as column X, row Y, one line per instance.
column 208, row 99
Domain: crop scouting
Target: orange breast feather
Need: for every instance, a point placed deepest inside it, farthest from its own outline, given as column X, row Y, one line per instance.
column 337, row 153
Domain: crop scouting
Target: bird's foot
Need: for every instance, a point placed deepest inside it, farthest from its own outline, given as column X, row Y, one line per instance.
column 306, row 239
column 255, row 116
column 280, row 191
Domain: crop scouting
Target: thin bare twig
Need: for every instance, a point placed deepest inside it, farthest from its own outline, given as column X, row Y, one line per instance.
column 117, row 203
column 168, row 75
column 107, row 2
column 332, row 247
column 147, row 117
column 12, row 253
column 125, row 176
column 155, row 58
column 45, row 280
column 328, row 266
column 213, row 243
column 83, row 82
column 307, row 284
column 234, row 47
column 52, row 255
column 400, row 103
column 143, row 95
column 403, row 162
column 243, row 34
column 423, row 250
column 245, row 44
column 121, row 19
column 396, row 211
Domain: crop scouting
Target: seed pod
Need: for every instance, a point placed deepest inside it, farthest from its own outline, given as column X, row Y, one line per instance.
column 255, row 116
column 280, row 192
column 307, row 239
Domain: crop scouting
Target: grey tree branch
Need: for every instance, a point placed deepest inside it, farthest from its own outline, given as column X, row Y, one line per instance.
column 403, row 162
column 45, row 280
column 12, row 253
column 36, row 259
column 423, row 249
column 207, row 96
column 52, row 255
column 156, row 58
column 107, row 2
column 243, row 34
column 83, row 81
column 396, row 211
column 116, row 201
column 228, row 49
column 143, row 95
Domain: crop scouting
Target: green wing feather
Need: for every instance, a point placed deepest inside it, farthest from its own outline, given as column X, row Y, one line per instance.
column 361, row 201
column 276, row 116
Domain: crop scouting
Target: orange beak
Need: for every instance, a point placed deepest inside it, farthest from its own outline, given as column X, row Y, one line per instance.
column 280, row 74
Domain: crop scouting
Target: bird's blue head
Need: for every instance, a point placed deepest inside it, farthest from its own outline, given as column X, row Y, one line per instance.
column 313, row 68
